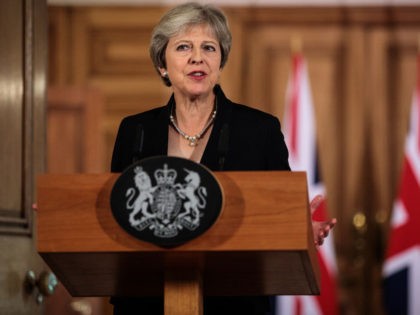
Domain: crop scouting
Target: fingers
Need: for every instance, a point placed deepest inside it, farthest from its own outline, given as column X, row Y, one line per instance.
column 323, row 230
column 328, row 226
column 319, row 240
column 331, row 223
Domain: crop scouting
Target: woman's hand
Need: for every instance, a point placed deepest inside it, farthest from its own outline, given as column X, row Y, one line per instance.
column 321, row 229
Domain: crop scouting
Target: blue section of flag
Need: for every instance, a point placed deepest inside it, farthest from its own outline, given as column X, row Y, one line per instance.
column 396, row 292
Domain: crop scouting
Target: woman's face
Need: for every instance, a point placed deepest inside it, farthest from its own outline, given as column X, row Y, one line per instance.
column 193, row 60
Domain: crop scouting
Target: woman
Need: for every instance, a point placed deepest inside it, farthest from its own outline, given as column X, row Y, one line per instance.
column 189, row 48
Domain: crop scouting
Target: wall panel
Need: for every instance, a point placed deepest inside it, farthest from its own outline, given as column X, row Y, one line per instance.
column 361, row 65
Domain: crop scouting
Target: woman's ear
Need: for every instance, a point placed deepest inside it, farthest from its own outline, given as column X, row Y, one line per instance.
column 163, row 72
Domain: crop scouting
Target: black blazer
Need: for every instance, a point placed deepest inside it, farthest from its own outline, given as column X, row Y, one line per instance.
column 242, row 138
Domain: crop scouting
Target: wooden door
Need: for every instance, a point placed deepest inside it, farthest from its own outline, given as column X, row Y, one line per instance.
column 22, row 87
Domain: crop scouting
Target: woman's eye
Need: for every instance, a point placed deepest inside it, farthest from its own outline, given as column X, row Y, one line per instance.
column 209, row 48
column 182, row 47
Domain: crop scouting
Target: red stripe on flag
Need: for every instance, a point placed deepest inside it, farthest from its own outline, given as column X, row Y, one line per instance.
column 417, row 103
column 298, row 306
column 407, row 235
column 328, row 298
column 294, row 110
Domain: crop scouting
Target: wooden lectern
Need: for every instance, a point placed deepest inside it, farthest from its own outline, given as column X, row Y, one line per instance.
column 262, row 243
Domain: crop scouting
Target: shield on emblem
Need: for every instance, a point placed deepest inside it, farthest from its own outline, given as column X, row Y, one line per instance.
column 166, row 200
column 166, row 204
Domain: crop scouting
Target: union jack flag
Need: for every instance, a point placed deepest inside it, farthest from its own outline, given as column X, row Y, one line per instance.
column 402, row 264
column 300, row 135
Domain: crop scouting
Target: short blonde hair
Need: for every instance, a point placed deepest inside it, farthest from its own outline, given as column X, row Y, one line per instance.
column 180, row 18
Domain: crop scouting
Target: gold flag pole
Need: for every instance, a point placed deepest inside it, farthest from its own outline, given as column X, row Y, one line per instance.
column 296, row 44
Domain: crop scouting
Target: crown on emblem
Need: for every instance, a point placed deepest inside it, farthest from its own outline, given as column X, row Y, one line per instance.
column 138, row 169
column 165, row 175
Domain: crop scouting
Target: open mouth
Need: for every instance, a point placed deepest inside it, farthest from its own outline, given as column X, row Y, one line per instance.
column 197, row 74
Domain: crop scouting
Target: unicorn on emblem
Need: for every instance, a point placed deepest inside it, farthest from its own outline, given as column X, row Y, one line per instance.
column 194, row 202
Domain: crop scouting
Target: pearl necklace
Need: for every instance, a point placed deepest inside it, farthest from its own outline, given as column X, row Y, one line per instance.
column 193, row 140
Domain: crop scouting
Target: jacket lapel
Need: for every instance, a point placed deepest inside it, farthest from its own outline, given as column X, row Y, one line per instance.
column 159, row 131
column 212, row 152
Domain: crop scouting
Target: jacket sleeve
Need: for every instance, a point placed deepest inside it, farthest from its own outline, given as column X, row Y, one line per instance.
column 120, row 154
column 277, row 154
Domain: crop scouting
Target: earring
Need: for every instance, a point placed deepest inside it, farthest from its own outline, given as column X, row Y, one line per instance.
column 165, row 74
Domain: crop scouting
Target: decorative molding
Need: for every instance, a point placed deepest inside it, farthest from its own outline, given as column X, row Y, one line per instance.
column 277, row 3
column 120, row 52
column 13, row 225
column 75, row 140
column 18, row 221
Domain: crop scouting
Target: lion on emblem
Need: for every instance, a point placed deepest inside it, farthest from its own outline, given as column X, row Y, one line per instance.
column 141, row 203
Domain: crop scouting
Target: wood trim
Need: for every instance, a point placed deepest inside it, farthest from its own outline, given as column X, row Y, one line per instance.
column 28, row 165
column 13, row 225
column 59, row 45
column 19, row 221
column 328, row 15
column 87, row 104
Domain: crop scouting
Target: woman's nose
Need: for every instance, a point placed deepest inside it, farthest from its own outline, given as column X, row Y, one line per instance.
column 196, row 57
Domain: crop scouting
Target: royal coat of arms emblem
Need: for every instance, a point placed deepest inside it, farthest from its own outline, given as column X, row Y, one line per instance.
column 166, row 199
